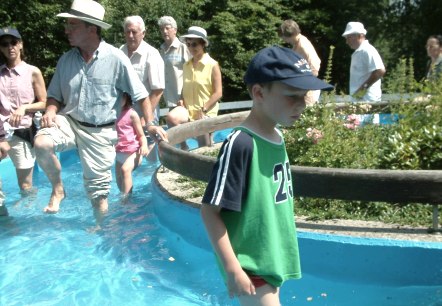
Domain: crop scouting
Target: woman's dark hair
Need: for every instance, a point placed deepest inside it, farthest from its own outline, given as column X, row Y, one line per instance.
column 437, row 37
column 127, row 99
column 288, row 28
column 200, row 41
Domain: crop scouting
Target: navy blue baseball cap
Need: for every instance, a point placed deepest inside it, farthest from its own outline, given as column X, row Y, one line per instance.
column 10, row 31
column 285, row 65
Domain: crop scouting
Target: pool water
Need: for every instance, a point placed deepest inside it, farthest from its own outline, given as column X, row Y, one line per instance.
column 61, row 260
column 152, row 250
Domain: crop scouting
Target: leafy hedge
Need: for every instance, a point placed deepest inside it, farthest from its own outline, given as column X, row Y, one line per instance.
column 328, row 136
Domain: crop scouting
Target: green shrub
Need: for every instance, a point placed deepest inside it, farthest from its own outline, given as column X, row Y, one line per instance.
column 325, row 136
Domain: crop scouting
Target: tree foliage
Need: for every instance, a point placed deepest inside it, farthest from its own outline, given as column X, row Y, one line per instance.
column 238, row 29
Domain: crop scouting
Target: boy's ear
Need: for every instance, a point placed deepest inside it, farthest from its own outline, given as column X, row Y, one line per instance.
column 257, row 91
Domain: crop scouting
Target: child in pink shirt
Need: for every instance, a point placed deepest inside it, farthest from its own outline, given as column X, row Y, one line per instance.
column 131, row 145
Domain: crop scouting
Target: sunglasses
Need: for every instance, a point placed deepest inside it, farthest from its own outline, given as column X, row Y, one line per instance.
column 6, row 44
column 193, row 45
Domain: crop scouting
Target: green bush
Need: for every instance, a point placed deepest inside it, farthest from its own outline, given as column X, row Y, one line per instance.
column 328, row 136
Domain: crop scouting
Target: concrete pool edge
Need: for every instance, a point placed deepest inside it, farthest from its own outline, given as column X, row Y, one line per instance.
column 158, row 187
column 169, row 182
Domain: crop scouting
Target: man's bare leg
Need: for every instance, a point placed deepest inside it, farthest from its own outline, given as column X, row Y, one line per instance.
column 24, row 177
column 100, row 206
column 48, row 161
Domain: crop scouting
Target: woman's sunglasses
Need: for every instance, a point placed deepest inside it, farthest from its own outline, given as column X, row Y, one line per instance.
column 5, row 44
column 193, row 45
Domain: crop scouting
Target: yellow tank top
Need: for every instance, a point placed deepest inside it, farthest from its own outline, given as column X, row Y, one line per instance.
column 197, row 86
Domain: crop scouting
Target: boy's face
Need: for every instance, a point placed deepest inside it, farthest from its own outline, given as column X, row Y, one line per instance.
column 282, row 103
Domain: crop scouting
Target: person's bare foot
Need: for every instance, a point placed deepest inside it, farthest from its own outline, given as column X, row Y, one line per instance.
column 54, row 202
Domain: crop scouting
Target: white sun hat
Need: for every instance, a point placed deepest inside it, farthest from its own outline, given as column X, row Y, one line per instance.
column 87, row 10
column 196, row 32
column 354, row 27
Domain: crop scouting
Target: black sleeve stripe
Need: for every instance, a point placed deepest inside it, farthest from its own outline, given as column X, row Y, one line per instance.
column 221, row 174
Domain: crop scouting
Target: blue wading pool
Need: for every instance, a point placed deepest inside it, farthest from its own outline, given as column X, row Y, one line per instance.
column 153, row 250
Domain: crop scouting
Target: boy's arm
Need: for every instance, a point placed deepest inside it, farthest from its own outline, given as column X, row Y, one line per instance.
column 238, row 283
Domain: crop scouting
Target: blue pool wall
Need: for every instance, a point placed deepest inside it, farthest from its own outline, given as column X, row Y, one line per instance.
column 356, row 259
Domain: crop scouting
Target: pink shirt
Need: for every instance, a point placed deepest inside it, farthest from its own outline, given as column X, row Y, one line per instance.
column 15, row 90
column 127, row 136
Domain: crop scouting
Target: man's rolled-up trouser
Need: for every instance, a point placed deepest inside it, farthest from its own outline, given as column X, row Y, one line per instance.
column 95, row 147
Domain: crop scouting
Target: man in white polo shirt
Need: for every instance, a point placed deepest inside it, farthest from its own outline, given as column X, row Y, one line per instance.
column 366, row 68
column 149, row 66
column 146, row 60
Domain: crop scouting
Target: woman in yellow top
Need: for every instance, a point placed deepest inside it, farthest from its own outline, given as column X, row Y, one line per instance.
column 202, row 85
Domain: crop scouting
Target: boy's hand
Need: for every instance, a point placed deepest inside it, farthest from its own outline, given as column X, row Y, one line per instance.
column 240, row 284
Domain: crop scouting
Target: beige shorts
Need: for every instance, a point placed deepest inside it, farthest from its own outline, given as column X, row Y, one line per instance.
column 21, row 153
column 95, row 148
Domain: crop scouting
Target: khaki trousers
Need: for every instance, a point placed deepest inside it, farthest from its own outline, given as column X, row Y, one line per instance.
column 95, row 147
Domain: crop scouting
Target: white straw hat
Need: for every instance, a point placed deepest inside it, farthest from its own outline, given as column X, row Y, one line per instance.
column 196, row 32
column 354, row 27
column 87, row 10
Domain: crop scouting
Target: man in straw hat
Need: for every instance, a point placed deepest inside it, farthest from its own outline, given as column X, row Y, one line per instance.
column 367, row 68
column 81, row 107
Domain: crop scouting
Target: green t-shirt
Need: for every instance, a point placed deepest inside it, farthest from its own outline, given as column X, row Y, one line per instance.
column 252, row 182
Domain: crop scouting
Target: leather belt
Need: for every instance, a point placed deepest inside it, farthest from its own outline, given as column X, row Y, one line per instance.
column 86, row 124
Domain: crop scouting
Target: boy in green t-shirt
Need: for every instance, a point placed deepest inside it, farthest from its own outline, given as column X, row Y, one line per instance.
column 248, row 204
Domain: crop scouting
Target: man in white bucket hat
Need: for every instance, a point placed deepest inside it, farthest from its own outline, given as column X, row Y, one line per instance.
column 367, row 68
column 83, row 96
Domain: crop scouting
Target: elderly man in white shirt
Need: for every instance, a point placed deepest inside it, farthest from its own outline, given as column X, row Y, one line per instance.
column 149, row 66
column 146, row 60
column 366, row 68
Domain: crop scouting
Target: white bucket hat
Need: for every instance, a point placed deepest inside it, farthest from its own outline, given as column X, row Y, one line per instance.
column 196, row 32
column 87, row 10
column 354, row 27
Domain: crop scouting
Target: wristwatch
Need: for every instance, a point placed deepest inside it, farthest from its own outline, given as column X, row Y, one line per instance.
column 151, row 123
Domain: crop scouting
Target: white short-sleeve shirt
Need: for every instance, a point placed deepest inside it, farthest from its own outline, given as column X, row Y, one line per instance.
column 364, row 61
column 149, row 66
